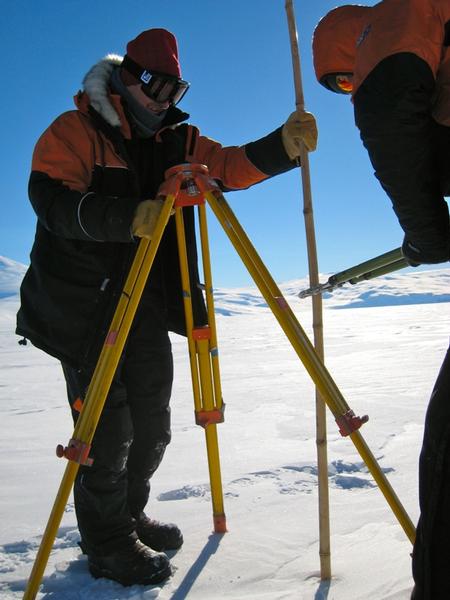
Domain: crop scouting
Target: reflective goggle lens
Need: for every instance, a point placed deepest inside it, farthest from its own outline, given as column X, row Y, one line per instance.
column 344, row 84
column 159, row 87
column 341, row 83
column 162, row 89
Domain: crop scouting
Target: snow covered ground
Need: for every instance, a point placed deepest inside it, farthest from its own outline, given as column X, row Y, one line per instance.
column 383, row 351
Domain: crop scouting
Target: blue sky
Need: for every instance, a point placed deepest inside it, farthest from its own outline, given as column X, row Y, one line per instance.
column 236, row 54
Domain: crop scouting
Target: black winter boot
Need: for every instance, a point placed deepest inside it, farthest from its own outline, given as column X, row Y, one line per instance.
column 157, row 535
column 134, row 565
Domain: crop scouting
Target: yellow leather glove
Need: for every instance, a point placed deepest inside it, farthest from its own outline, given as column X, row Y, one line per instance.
column 146, row 217
column 300, row 127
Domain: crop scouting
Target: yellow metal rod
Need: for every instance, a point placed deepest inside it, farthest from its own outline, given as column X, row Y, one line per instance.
column 50, row 532
column 99, row 387
column 215, row 475
column 209, row 293
column 187, row 300
column 110, row 354
column 204, row 365
column 384, row 485
column 202, row 376
column 119, row 329
column 305, row 350
column 211, row 428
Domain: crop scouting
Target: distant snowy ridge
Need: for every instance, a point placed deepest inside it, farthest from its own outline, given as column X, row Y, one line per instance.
column 400, row 288
column 410, row 287
column 11, row 274
column 416, row 287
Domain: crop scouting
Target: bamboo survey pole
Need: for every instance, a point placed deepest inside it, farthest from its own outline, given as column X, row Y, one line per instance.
column 321, row 428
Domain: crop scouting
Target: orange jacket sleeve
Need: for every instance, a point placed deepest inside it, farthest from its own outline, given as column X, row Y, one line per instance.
column 239, row 167
column 65, row 151
column 59, row 188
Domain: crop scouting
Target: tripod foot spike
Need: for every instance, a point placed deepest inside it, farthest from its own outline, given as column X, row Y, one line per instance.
column 220, row 523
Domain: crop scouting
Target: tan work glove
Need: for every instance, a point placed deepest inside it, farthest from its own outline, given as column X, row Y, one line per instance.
column 146, row 217
column 300, row 127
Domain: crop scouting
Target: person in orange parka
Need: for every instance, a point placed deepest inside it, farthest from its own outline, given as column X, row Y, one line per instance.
column 95, row 175
column 394, row 60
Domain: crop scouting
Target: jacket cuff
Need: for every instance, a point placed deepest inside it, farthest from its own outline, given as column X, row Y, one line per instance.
column 268, row 154
column 106, row 219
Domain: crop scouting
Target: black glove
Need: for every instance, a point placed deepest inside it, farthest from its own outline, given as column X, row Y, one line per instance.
column 422, row 253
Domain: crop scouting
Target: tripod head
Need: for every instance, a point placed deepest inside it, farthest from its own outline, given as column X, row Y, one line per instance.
column 188, row 182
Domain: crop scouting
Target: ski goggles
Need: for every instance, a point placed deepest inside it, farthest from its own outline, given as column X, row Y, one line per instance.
column 344, row 84
column 340, row 83
column 159, row 87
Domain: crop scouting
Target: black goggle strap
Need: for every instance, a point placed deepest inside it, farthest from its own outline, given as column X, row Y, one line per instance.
column 157, row 86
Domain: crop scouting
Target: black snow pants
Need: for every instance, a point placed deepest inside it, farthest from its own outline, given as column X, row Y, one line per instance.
column 431, row 555
column 131, row 437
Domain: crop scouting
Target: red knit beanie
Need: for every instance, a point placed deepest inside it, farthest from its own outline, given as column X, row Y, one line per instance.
column 154, row 50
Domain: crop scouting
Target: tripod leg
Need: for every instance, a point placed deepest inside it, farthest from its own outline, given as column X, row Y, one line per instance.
column 305, row 350
column 202, row 342
column 51, row 531
column 78, row 449
column 210, row 304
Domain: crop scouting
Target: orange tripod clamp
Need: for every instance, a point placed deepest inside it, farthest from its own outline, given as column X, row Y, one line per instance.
column 188, row 182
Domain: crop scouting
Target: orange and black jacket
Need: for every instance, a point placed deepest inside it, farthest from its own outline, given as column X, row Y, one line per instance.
column 398, row 52
column 89, row 172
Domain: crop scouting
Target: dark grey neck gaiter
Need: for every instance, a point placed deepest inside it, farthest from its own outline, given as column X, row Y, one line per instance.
column 146, row 122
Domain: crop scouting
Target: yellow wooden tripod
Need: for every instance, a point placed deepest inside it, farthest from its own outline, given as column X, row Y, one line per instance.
column 189, row 185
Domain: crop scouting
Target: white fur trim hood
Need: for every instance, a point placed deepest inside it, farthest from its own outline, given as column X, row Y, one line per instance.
column 96, row 86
